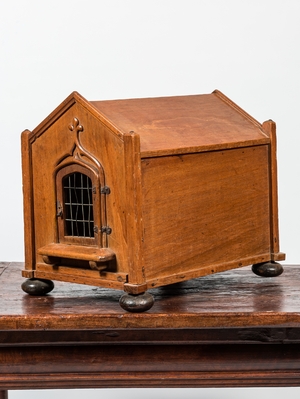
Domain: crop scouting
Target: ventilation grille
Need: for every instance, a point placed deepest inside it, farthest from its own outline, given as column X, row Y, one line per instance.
column 78, row 205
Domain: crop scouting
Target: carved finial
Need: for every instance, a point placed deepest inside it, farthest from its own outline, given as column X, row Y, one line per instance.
column 78, row 151
column 75, row 126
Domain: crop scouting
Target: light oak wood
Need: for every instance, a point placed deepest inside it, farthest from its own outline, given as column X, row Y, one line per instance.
column 180, row 187
column 77, row 252
column 184, row 124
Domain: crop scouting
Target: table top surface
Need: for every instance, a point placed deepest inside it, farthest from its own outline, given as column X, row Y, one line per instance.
column 227, row 329
column 235, row 298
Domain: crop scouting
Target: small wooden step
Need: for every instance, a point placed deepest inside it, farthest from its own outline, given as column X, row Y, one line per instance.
column 79, row 252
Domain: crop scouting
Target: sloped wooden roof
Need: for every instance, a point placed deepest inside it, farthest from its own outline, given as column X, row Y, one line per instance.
column 172, row 125
column 190, row 123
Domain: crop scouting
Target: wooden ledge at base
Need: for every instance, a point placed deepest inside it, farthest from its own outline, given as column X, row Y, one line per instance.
column 77, row 252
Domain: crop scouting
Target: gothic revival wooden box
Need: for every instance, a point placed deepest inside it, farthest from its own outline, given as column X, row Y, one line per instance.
column 135, row 194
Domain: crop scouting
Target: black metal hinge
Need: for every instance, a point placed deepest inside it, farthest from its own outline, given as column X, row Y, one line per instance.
column 106, row 229
column 105, row 190
column 59, row 209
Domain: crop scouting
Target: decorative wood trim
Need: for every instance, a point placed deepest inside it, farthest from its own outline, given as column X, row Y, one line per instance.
column 29, row 239
column 53, row 117
column 204, row 271
column 96, row 200
column 270, row 127
column 233, row 105
column 78, row 155
column 77, row 252
column 72, row 99
column 108, row 275
column 134, row 207
column 205, row 148
column 78, row 152
column 109, row 280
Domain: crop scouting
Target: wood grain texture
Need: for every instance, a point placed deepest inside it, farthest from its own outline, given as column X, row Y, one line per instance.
column 227, row 329
column 77, row 252
column 179, row 187
column 230, row 299
column 44, row 198
column 28, row 209
column 270, row 128
column 195, row 123
column 202, row 209
column 3, row 395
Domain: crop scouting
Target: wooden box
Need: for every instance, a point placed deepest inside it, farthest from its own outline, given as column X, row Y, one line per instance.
column 140, row 193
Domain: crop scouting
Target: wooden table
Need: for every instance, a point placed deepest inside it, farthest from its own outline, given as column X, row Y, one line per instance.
column 224, row 330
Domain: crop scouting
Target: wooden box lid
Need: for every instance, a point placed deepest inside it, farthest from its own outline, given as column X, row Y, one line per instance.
column 183, row 124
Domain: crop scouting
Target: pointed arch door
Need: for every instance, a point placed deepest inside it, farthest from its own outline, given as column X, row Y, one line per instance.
column 78, row 206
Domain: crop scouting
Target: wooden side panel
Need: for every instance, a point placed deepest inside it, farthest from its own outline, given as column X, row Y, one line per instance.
column 206, row 209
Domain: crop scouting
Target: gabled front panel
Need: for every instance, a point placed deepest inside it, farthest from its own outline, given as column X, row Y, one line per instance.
column 78, row 195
